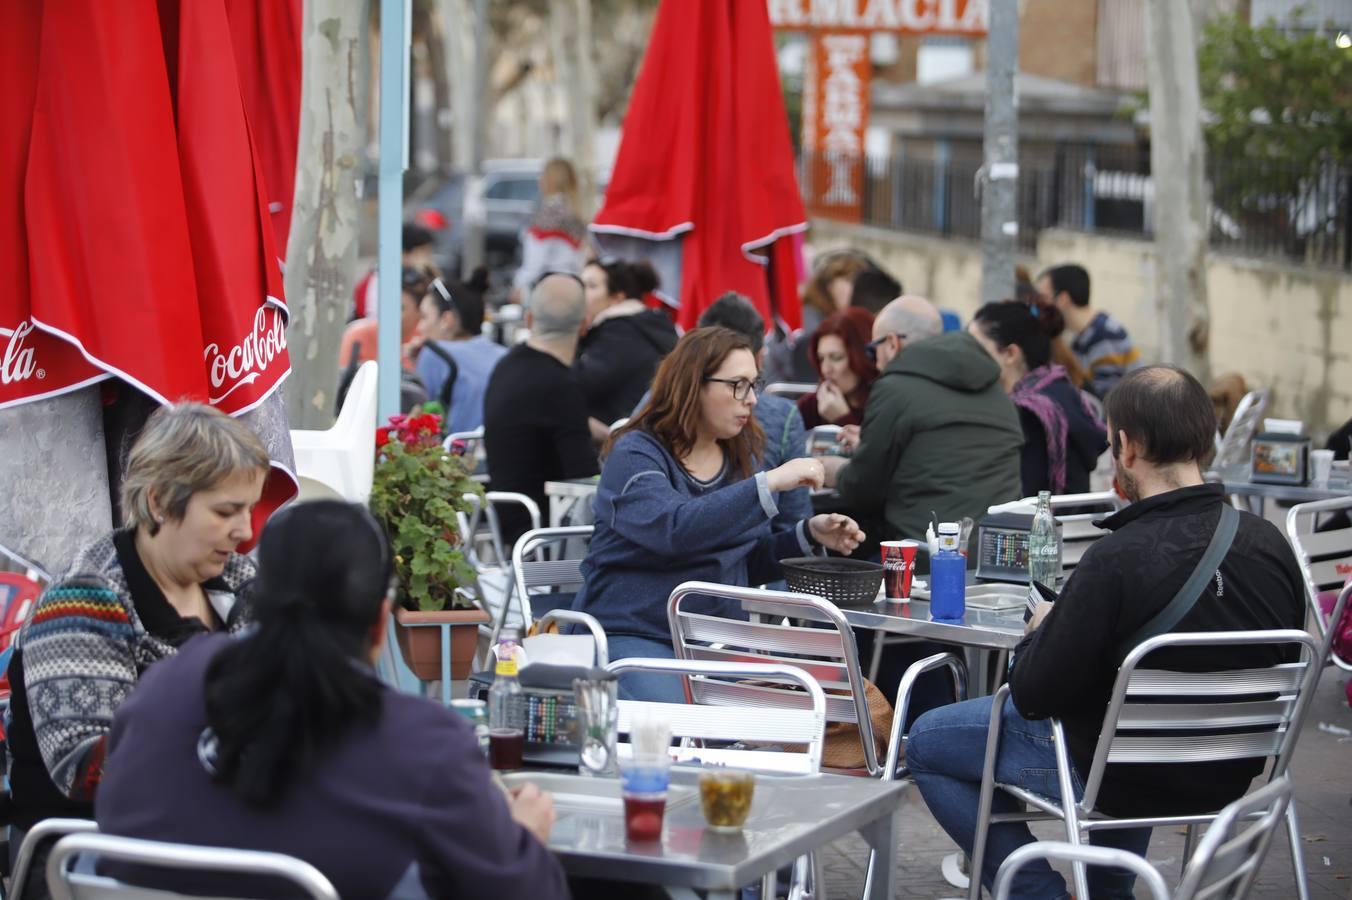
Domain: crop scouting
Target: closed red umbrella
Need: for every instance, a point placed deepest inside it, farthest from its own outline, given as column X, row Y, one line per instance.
column 143, row 213
column 705, row 169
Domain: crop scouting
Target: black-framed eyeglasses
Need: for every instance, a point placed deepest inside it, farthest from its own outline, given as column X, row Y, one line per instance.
column 871, row 348
column 740, row 386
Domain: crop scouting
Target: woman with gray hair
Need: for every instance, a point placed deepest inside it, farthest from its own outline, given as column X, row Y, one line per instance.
column 193, row 478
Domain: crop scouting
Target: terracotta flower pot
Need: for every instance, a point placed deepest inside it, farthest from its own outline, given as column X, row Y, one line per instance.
column 420, row 640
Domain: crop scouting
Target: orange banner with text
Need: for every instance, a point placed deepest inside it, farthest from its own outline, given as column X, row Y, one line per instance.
column 835, row 114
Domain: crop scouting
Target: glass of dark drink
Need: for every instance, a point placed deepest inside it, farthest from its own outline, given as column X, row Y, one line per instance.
column 504, row 747
column 644, row 781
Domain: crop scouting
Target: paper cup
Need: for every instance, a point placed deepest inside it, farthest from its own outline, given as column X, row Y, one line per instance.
column 1321, row 466
column 898, row 568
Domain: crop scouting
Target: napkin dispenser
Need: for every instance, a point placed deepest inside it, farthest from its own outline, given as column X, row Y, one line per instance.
column 1280, row 458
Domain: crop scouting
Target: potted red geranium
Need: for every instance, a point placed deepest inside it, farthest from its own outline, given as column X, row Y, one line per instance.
column 417, row 491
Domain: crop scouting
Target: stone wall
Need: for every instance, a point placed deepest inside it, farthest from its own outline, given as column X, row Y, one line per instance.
column 1280, row 326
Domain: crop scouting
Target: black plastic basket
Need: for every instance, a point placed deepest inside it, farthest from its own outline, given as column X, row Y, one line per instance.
column 845, row 582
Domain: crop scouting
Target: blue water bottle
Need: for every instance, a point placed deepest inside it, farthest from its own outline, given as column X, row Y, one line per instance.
column 948, row 577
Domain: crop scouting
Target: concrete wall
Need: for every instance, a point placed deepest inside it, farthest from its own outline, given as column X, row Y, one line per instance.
column 1288, row 328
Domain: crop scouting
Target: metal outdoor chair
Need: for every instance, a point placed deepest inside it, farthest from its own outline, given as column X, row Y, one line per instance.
column 829, row 654
column 1232, row 448
column 1325, row 558
column 65, row 884
column 40, row 834
column 786, row 726
column 1220, row 717
column 1225, row 865
column 491, row 559
column 548, row 561
column 695, row 724
column 790, row 389
column 471, row 447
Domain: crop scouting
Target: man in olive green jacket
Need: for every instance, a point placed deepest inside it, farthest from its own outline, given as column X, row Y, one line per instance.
column 939, row 432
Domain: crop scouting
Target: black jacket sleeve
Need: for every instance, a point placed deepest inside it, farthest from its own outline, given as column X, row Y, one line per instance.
column 1057, row 668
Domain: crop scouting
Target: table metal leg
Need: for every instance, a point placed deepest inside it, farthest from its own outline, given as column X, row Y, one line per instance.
column 881, row 835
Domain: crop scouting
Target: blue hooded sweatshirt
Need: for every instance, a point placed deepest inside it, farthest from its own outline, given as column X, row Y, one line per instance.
column 657, row 526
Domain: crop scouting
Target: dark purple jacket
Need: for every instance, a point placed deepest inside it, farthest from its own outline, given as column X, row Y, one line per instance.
column 405, row 806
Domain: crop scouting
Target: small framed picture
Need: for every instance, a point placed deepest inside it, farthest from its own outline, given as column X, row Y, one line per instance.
column 1280, row 459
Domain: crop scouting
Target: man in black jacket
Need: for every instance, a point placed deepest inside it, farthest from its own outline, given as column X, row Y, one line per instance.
column 1161, row 424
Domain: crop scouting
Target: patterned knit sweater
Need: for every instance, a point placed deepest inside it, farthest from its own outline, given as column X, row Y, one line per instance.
column 88, row 639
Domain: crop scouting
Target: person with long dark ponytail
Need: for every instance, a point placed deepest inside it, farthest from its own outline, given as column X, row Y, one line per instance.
column 1063, row 436
column 283, row 739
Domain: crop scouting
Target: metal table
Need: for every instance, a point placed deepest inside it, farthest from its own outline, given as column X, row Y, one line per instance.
column 1237, row 483
column 980, row 628
column 569, row 498
column 790, row 816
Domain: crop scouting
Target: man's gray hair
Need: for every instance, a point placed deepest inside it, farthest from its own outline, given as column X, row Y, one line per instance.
column 912, row 316
column 557, row 307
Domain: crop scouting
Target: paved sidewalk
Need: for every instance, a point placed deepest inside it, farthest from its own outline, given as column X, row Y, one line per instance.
column 1323, row 776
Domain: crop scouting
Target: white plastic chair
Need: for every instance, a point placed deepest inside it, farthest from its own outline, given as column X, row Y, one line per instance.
column 1226, row 862
column 1325, row 557
column 340, row 462
column 67, row 885
column 1140, row 729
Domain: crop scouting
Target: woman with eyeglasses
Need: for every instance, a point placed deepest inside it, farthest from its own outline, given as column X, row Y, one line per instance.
column 624, row 342
column 1063, row 436
column 681, row 499
column 840, row 353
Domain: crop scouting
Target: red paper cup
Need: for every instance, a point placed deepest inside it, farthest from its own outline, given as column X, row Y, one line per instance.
column 898, row 567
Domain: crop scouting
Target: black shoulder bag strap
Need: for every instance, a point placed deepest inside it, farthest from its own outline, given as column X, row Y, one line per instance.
column 1166, row 619
column 444, row 398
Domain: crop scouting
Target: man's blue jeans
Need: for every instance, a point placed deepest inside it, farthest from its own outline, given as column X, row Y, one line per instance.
column 946, row 750
column 645, row 685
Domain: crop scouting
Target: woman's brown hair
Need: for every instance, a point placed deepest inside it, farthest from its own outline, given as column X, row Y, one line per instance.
column 672, row 413
column 838, row 264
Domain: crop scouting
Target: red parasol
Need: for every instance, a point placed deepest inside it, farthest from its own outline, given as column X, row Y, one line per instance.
column 146, row 245
column 706, row 165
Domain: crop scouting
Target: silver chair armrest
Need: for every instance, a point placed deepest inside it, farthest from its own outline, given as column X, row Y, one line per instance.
column 580, row 618
column 39, row 834
column 1094, row 856
column 957, row 668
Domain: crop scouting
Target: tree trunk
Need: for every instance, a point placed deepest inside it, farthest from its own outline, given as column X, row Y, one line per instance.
column 457, row 28
column 575, row 78
column 322, row 248
column 1178, row 164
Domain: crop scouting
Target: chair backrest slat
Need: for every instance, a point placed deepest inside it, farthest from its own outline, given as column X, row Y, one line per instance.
column 1164, row 749
column 1281, row 678
column 771, row 638
column 1252, row 714
column 839, row 707
column 1329, row 574
column 831, row 676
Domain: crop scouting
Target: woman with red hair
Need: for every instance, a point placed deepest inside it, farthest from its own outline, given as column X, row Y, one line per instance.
column 840, row 353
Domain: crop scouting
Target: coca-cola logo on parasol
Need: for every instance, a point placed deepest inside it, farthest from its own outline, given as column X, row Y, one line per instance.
column 243, row 363
column 19, row 361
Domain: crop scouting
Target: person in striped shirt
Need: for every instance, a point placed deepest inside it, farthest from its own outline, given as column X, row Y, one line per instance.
column 1101, row 346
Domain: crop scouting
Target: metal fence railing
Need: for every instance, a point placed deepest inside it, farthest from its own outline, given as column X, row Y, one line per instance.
column 1258, row 207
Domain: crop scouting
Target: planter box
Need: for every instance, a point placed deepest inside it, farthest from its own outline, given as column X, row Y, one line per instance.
column 419, row 637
